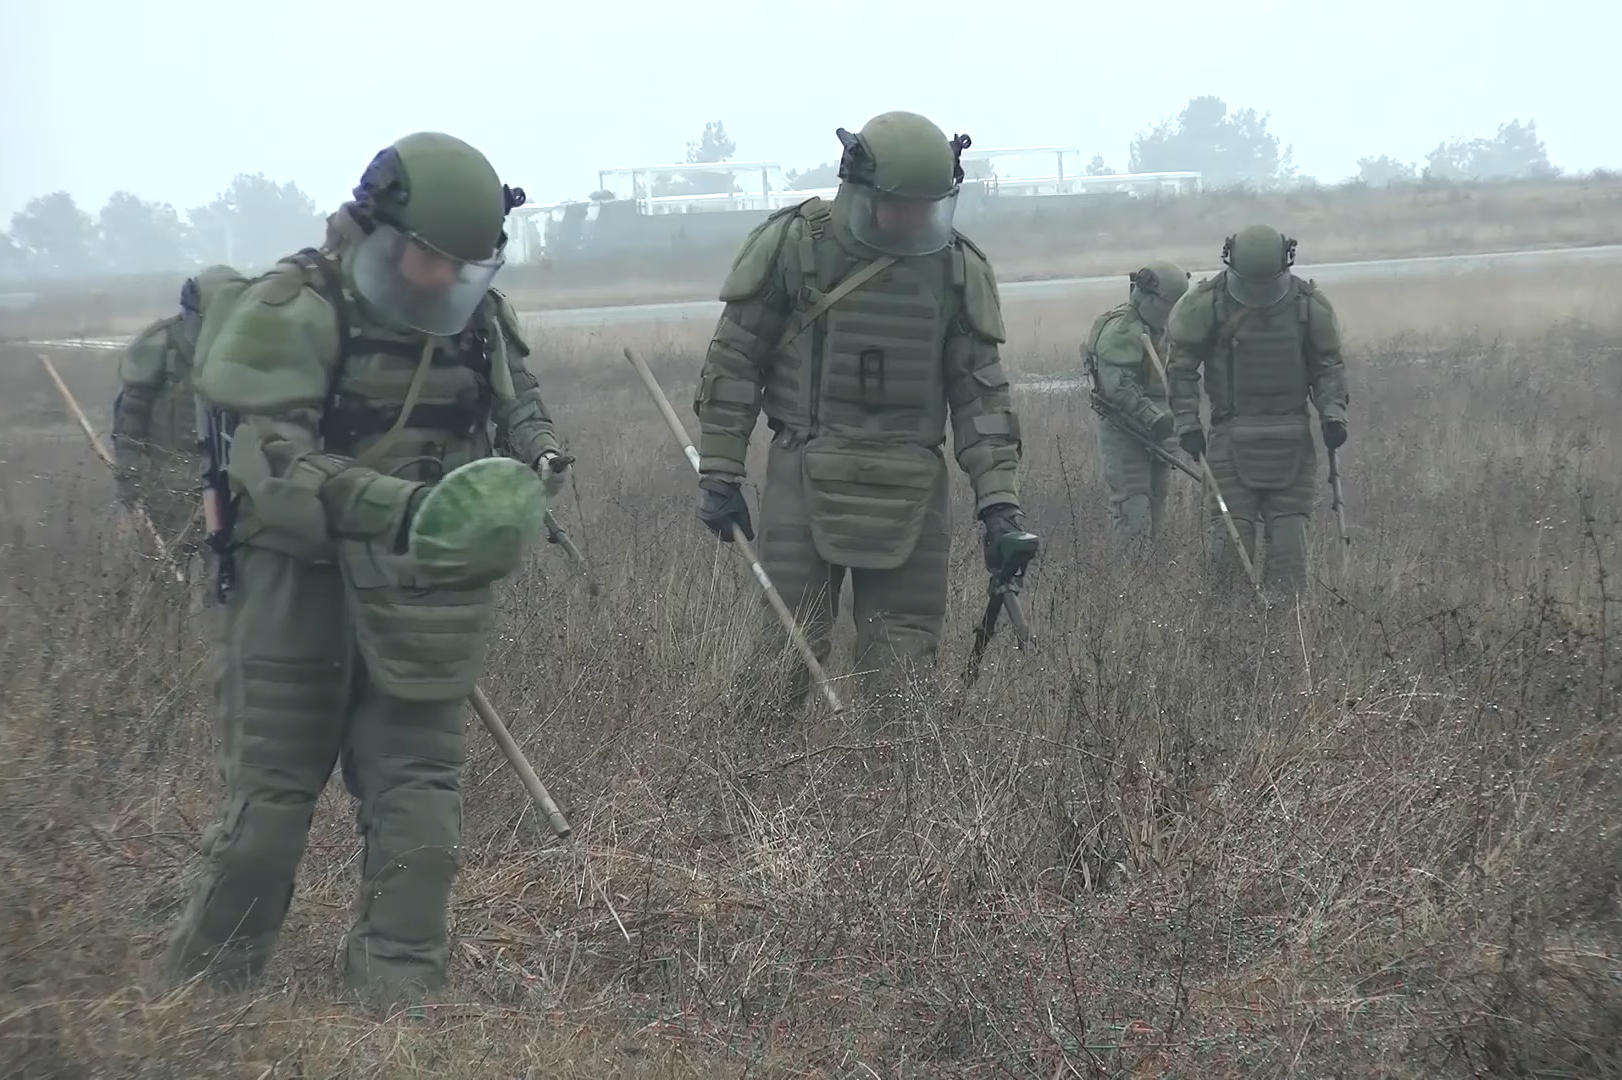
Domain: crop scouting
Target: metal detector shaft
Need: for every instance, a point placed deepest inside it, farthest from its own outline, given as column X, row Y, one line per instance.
column 1340, row 500
column 743, row 545
column 1210, row 477
column 520, row 764
column 101, row 451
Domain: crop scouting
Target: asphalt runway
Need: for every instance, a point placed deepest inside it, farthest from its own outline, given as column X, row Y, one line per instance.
column 1057, row 288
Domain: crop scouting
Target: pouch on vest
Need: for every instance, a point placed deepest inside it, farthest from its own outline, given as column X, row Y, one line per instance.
column 866, row 501
column 1269, row 451
column 420, row 644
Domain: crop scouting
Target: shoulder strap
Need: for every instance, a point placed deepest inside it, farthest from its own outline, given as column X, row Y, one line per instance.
column 332, row 290
column 853, row 281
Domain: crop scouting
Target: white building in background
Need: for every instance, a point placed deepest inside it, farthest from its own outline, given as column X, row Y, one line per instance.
column 761, row 187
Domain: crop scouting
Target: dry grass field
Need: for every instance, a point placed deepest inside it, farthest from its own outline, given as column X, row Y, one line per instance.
column 1377, row 834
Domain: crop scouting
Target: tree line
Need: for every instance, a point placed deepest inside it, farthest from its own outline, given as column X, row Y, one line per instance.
column 255, row 220
column 251, row 223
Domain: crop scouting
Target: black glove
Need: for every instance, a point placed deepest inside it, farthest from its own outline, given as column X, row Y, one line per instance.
column 1161, row 429
column 1193, row 443
column 1000, row 521
column 1334, row 434
column 721, row 504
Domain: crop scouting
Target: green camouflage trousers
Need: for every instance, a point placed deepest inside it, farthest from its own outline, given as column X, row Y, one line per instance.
column 291, row 699
column 1267, row 472
column 1137, row 483
column 899, row 614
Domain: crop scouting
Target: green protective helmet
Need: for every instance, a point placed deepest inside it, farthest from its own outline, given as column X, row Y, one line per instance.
column 434, row 214
column 1155, row 289
column 900, row 176
column 476, row 523
column 1258, row 258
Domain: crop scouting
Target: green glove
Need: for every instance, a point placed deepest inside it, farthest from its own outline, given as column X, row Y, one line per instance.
column 474, row 525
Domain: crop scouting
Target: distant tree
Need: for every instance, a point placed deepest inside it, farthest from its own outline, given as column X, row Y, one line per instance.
column 714, row 145
column 601, row 195
column 139, row 237
column 56, row 237
column 1226, row 149
column 254, row 222
column 825, row 175
column 1096, row 167
column 1384, row 170
column 1515, row 153
column 13, row 260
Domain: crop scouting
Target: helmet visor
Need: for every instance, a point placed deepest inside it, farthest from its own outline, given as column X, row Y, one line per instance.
column 1258, row 292
column 411, row 282
column 1154, row 308
column 898, row 225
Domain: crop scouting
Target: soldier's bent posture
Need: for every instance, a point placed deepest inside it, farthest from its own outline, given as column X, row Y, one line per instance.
column 1124, row 376
column 1268, row 342
column 352, row 380
column 860, row 327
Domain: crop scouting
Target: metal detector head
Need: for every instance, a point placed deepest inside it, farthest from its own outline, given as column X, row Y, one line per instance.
column 1011, row 553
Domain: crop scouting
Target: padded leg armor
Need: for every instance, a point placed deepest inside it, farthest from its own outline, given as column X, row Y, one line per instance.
column 1137, row 485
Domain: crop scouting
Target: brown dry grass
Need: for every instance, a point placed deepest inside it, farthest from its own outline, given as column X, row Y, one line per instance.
column 1332, row 223
column 1375, row 836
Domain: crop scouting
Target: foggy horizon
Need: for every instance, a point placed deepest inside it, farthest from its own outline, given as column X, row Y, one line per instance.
column 164, row 100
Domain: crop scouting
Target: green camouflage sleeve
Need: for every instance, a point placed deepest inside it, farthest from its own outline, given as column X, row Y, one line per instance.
column 523, row 423
column 1187, row 331
column 985, row 429
column 268, row 371
column 1326, row 367
column 727, row 402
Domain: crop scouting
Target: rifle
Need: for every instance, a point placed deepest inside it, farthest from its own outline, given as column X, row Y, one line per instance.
column 1337, row 499
column 1011, row 555
column 219, row 508
column 1114, row 414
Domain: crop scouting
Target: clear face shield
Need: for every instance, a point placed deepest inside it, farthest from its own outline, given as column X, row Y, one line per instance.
column 411, row 282
column 897, row 225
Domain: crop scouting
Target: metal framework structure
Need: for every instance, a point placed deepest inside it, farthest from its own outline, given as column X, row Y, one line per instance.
column 768, row 189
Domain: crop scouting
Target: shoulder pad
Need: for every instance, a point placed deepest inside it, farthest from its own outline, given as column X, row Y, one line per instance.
column 274, row 349
column 144, row 360
column 506, row 320
column 1322, row 322
column 982, row 304
column 757, row 258
column 1117, row 341
column 1192, row 318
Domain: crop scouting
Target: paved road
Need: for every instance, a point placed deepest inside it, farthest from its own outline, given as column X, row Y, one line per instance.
column 1013, row 291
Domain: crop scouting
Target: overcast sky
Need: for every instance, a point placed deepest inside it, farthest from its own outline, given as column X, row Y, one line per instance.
column 171, row 98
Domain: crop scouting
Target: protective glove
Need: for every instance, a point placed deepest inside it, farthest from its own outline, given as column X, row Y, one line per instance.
column 1162, row 427
column 1000, row 520
column 551, row 466
column 1193, row 443
column 1334, row 434
column 720, row 505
